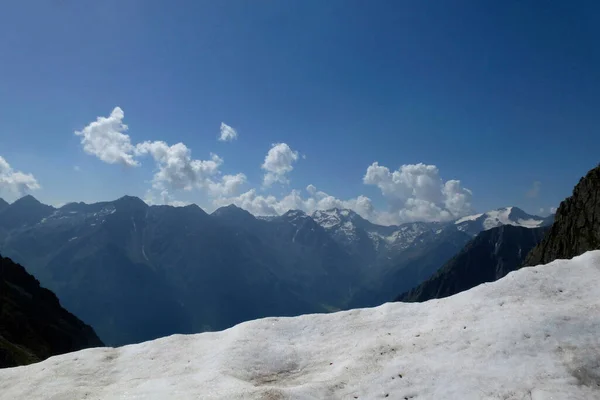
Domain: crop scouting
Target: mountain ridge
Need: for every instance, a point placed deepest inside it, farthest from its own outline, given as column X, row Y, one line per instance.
column 136, row 271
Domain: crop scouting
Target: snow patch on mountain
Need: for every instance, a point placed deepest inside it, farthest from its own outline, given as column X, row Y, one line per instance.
column 467, row 218
column 531, row 335
column 345, row 226
column 474, row 224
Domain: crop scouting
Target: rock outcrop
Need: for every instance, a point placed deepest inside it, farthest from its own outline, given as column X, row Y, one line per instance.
column 576, row 227
column 33, row 325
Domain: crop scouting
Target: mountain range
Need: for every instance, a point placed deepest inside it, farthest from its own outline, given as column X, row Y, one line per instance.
column 137, row 272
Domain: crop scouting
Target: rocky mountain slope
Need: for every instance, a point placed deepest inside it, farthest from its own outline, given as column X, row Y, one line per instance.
column 33, row 325
column 488, row 257
column 3, row 204
column 531, row 335
column 576, row 227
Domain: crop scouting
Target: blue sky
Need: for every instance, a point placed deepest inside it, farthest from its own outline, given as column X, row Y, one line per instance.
column 496, row 96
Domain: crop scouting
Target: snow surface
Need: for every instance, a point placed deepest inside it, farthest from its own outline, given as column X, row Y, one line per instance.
column 467, row 218
column 494, row 218
column 532, row 335
column 530, row 223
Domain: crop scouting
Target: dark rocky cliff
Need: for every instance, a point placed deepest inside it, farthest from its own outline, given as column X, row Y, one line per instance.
column 576, row 227
column 33, row 325
column 488, row 257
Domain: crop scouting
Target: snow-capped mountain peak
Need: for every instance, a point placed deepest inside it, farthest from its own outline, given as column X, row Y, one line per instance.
column 361, row 236
column 502, row 216
column 334, row 216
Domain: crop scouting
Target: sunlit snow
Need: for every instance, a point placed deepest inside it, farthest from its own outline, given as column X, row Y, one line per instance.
column 494, row 218
column 532, row 335
column 467, row 218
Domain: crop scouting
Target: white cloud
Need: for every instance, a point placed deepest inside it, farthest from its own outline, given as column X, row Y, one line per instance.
column 415, row 192
column 176, row 168
column 227, row 133
column 76, row 168
column 542, row 210
column 163, row 198
column 15, row 183
column 105, row 139
column 535, row 189
column 227, row 186
column 278, row 163
column 553, row 210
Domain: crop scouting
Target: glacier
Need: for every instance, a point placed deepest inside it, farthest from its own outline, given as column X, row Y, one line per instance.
column 531, row 335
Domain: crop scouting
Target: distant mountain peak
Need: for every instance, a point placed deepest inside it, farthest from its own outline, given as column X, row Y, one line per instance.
column 336, row 216
column 294, row 214
column 233, row 211
column 342, row 212
column 511, row 215
column 231, row 208
column 130, row 201
column 26, row 200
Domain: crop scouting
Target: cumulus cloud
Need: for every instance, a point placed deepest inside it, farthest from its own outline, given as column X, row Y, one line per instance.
column 178, row 170
column 228, row 134
column 535, row 190
column 316, row 200
column 105, row 139
column 278, row 163
column 176, row 167
column 553, row 210
column 416, row 192
column 228, row 185
column 163, row 198
column 15, row 183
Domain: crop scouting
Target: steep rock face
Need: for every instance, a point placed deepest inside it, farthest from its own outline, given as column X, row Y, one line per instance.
column 576, row 227
column 488, row 257
column 33, row 325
